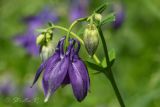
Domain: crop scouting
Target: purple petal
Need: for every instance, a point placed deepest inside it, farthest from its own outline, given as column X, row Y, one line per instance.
column 50, row 62
column 50, row 65
column 38, row 73
column 54, row 78
column 55, row 70
column 79, row 78
column 45, row 86
column 78, row 74
column 66, row 80
column 57, row 56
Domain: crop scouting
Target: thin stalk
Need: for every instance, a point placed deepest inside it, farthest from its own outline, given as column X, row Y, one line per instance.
column 71, row 26
column 108, row 72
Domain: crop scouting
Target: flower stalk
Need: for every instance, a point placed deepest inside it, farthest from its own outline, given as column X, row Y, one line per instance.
column 108, row 73
column 71, row 26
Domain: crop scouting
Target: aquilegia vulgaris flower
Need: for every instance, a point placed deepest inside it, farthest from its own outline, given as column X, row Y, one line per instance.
column 63, row 68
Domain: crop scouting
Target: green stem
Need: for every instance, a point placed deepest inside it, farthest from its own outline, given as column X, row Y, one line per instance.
column 109, row 73
column 71, row 26
column 76, row 36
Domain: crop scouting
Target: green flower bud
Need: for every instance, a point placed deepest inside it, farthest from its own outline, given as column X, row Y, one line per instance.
column 46, row 51
column 91, row 39
column 98, row 17
column 48, row 37
column 40, row 39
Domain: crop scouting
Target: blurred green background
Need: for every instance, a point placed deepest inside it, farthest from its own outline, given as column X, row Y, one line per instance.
column 136, row 69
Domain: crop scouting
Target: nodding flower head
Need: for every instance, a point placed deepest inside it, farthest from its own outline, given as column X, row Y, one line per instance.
column 64, row 68
column 28, row 39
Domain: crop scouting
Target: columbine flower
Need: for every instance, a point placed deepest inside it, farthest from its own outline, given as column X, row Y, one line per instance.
column 119, row 15
column 28, row 39
column 78, row 9
column 64, row 68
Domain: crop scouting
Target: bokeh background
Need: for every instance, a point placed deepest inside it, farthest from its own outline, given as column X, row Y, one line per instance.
column 136, row 41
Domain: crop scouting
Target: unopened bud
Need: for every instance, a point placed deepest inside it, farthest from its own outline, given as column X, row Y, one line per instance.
column 40, row 39
column 91, row 39
column 46, row 51
column 98, row 17
column 48, row 37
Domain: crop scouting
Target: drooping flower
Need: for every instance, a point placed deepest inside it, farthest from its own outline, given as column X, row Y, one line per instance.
column 119, row 15
column 78, row 9
column 28, row 39
column 64, row 68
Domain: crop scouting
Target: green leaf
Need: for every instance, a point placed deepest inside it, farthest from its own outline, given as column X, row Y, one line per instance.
column 109, row 18
column 101, row 8
column 112, row 58
column 94, row 66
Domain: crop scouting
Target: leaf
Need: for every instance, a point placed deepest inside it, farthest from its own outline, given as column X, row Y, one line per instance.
column 109, row 18
column 112, row 58
column 101, row 8
column 94, row 66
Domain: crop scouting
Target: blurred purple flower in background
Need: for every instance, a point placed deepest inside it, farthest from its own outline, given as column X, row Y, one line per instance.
column 118, row 9
column 78, row 9
column 29, row 93
column 28, row 39
column 7, row 88
column 63, row 68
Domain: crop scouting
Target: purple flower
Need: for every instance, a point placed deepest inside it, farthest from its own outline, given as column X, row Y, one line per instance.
column 7, row 89
column 28, row 39
column 78, row 9
column 29, row 93
column 63, row 68
column 119, row 15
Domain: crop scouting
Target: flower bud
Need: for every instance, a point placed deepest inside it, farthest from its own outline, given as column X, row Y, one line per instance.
column 91, row 39
column 48, row 37
column 40, row 39
column 98, row 17
column 46, row 51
